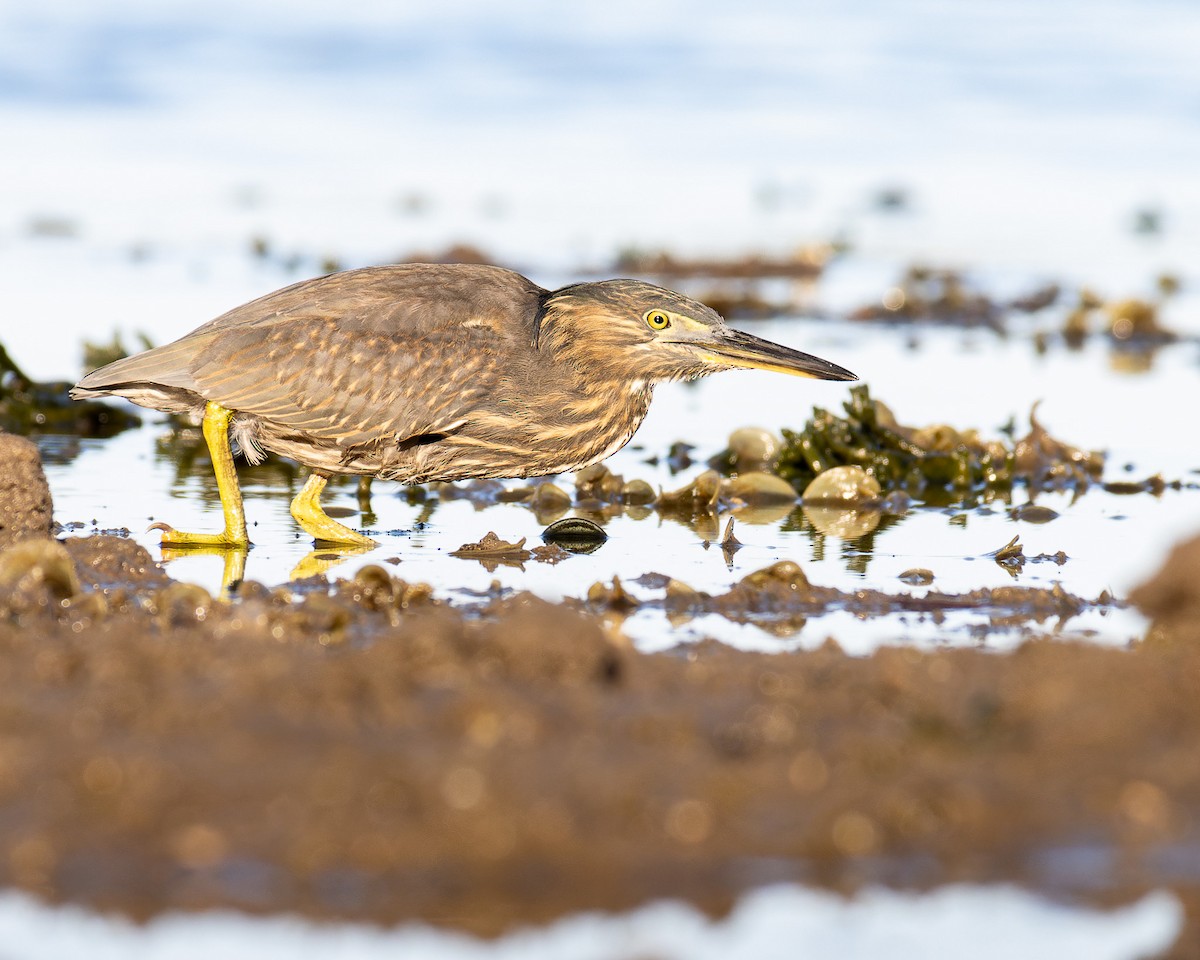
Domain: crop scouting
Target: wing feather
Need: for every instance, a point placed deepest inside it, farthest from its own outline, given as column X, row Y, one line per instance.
column 355, row 366
column 358, row 357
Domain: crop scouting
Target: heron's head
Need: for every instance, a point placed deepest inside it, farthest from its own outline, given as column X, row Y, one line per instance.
column 626, row 329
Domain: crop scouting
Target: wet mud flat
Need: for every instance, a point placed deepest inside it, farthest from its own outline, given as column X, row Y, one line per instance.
column 362, row 750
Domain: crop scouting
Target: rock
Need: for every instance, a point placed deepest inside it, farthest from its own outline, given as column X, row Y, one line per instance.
column 757, row 488
column 550, row 497
column 26, row 511
column 36, row 574
column 846, row 486
column 1171, row 598
column 752, row 446
column 638, row 493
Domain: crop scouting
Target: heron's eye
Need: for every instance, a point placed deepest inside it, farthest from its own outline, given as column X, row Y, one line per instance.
column 657, row 320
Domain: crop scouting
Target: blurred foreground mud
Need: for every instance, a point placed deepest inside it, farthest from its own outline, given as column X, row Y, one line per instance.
column 365, row 751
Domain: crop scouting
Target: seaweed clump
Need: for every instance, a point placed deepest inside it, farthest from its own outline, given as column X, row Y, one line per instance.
column 930, row 462
column 28, row 406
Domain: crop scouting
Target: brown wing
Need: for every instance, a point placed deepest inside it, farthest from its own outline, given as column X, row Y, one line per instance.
column 341, row 381
column 385, row 352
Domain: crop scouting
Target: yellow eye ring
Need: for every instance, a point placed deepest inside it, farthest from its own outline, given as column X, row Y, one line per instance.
column 657, row 320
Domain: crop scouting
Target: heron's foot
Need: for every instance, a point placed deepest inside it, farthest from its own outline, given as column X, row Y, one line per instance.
column 181, row 539
column 325, row 530
column 306, row 508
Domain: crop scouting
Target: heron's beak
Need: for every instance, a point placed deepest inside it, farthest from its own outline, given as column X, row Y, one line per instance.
column 733, row 348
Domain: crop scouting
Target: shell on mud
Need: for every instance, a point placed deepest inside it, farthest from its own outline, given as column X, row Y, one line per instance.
column 374, row 586
column 550, row 496
column 847, row 486
column 787, row 572
column 575, row 534
column 85, row 607
column 38, row 567
column 752, row 445
column 939, row 437
column 180, row 603
column 677, row 592
column 758, row 489
column 1033, row 513
column 638, row 493
column 614, row 597
column 599, row 483
column 699, row 495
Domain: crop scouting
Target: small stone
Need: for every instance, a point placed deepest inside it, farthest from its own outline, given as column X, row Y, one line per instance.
column 38, row 567
column 575, row 534
column 750, row 446
column 755, row 489
column 1034, row 513
column 638, row 493
column 550, row 497
column 844, row 486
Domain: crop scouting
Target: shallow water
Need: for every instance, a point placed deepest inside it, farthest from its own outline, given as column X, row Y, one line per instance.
column 978, row 378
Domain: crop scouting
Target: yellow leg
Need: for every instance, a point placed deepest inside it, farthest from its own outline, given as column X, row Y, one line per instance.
column 216, row 435
column 364, row 494
column 306, row 508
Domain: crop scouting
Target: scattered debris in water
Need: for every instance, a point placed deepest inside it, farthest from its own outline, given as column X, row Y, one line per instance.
column 1011, row 556
column 730, row 544
column 1033, row 513
column 780, row 600
column 492, row 552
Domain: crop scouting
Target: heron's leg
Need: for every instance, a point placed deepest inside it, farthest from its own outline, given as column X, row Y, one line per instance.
column 364, row 500
column 364, row 493
column 306, row 508
column 216, row 435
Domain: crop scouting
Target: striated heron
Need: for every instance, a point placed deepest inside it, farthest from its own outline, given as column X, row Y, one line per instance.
column 422, row 372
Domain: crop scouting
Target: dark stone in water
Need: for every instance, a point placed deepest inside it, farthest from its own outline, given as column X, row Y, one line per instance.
column 575, row 534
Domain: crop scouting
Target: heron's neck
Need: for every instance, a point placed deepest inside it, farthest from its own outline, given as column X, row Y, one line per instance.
column 622, row 407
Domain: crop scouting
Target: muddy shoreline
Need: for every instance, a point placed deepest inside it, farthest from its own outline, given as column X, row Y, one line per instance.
column 369, row 752
column 363, row 749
